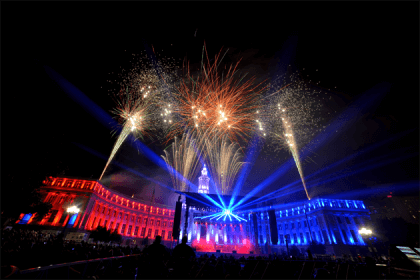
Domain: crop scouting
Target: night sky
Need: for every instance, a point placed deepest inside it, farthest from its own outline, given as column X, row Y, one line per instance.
column 347, row 47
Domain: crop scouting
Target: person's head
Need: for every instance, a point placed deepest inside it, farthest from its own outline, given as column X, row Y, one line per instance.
column 158, row 239
column 184, row 239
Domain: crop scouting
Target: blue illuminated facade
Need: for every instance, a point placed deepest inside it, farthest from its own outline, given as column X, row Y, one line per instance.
column 332, row 222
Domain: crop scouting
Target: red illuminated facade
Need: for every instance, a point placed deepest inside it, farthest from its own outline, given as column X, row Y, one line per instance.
column 99, row 205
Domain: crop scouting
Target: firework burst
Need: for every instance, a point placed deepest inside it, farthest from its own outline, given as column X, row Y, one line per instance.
column 181, row 160
column 292, row 113
column 224, row 158
column 140, row 101
column 212, row 104
column 133, row 112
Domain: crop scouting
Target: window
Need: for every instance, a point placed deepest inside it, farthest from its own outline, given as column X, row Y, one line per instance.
column 339, row 220
column 353, row 234
column 136, row 231
column 171, row 224
column 292, row 225
column 356, row 220
column 311, row 222
column 106, row 222
column 52, row 216
column 97, row 208
column 305, row 223
column 123, row 229
column 301, row 238
column 164, row 224
column 119, row 215
column 151, row 222
column 132, row 218
column 158, row 223
column 149, row 232
column 286, row 226
column 109, row 210
column 129, row 229
column 103, row 210
column 111, row 225
column 115, row 213
column 99, row 223
column 281, row 239
column 325, row 237
column 337, row 237
column 139, row 220
column 261, row 240
column 117, row 226
column 308, row 237
column 156, row 232
column 143, row 231
column 299, row 225
column 348, row 220
column 169, row 234
column 294, row 238
column 163, row 234
column 126, row 217
column 280, row 227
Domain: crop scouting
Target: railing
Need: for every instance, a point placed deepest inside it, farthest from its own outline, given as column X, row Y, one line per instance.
column 42, row 272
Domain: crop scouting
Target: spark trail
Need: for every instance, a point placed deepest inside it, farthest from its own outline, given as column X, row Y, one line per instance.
column 224, row 158
column 182, row 161
column 133, row 111
column 293, row 148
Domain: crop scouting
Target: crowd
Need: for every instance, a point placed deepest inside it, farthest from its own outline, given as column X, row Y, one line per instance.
column 26, row 249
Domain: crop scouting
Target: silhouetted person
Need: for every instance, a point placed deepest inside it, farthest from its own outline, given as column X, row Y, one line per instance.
column 156, row 254
column 157, row 251
column 183, row 250
column 182, row 255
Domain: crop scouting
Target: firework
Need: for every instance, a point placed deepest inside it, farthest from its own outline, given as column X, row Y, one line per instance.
column 182, row 160
column 212, row 104
column 290, row 140
column 133, row 111
column 224, row 159
column 140, row 105
column 292, row 113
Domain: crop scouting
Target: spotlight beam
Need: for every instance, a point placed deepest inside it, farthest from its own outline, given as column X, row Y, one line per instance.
column 356, row 110
column 124, row 167
column 246, row 168
column 342, row 175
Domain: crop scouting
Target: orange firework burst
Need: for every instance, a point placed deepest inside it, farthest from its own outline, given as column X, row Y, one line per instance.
column 215, row 105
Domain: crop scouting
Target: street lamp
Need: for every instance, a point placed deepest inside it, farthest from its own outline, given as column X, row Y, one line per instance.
column 364, row 231
column 367, row 233
column 71, row 211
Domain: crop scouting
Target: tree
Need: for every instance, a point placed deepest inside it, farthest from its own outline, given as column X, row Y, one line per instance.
column 101, row 234
column 317, row 248
column 116, row 237
column 294, row 251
